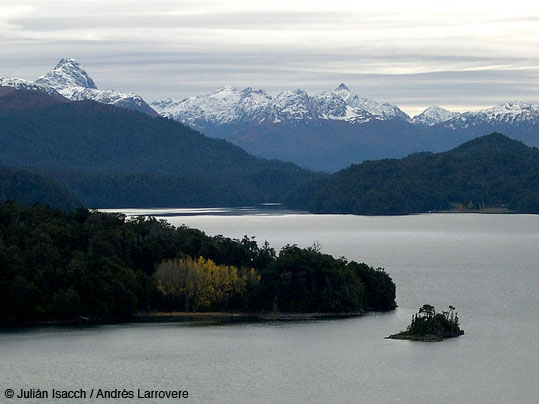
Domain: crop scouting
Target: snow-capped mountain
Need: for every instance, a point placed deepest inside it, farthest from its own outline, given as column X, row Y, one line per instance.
column 125, row 100
column 336, row 128
column 508, row 113
column 68, row 73
column 292, row 105
column 228, row 105
column 342, row 104
column 222, row 106
column 70, row 80
column 434, row 115
column 21, row 84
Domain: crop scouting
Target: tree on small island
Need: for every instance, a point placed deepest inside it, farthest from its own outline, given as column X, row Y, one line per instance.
column 427, row 325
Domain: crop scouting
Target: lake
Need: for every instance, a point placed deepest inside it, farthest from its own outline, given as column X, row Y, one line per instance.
column 485, row 265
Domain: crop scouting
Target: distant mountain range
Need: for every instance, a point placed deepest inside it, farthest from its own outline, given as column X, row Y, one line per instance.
column 229, row 105
column 489, row 173
column 113, row 157
column 324, row 132
column 336, row 128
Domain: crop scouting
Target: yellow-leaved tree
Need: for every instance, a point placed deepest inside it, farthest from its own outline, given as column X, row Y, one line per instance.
column 201, row 285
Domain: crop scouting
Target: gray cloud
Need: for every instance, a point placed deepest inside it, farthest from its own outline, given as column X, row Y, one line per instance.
column 412, row 58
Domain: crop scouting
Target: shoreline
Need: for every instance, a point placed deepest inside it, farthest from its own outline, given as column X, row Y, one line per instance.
column 404, row 335
column 175, row 316
column 237, row 316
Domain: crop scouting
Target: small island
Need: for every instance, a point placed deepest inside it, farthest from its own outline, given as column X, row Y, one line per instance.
column 429, row 326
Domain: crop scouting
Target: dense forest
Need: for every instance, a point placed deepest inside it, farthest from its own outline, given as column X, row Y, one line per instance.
column 28, row 188
column 110, row 157
column 66, row 265
column 492, row 171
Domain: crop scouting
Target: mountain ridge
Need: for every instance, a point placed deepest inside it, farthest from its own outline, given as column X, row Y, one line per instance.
column 492, row 171
column 228, row 105
column 337, row 104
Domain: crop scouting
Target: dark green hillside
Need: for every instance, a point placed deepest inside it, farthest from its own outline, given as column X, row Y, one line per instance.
column 104, row 154
column 28, row 188
column 492, row 171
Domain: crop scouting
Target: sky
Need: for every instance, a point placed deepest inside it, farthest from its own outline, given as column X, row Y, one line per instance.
column 462, row 55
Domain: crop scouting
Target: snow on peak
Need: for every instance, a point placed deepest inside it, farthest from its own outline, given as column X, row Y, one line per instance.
column 21, row 84
column 222, row 106
column 342, row 91
column 228, row 105
column 73, row 82
column 507, row 113
column 292, row 104
column 342, row 104
column 342, row 86
column 433, row 115
column 510, row 108
column 67, row 73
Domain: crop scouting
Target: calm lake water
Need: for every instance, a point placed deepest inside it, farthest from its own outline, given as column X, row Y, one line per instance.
column 485, row 265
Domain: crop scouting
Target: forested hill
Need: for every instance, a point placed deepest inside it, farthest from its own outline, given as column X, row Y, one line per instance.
column 28, row 188
column 491, row 171
column 110, row 156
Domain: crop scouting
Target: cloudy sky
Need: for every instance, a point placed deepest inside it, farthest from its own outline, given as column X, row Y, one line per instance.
column 463, row 55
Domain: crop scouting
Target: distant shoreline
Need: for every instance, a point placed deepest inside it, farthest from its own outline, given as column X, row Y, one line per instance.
column 246, row 211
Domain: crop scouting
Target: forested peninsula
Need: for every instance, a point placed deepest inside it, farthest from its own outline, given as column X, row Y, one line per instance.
column 87, row 265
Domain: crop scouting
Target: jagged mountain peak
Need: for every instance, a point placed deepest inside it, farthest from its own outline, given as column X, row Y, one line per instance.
column 67, row 73
column 67, row 62
column 434, row 115
column 341, row 92
column 252, row 90
column 292, row 104
column 73, row 82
